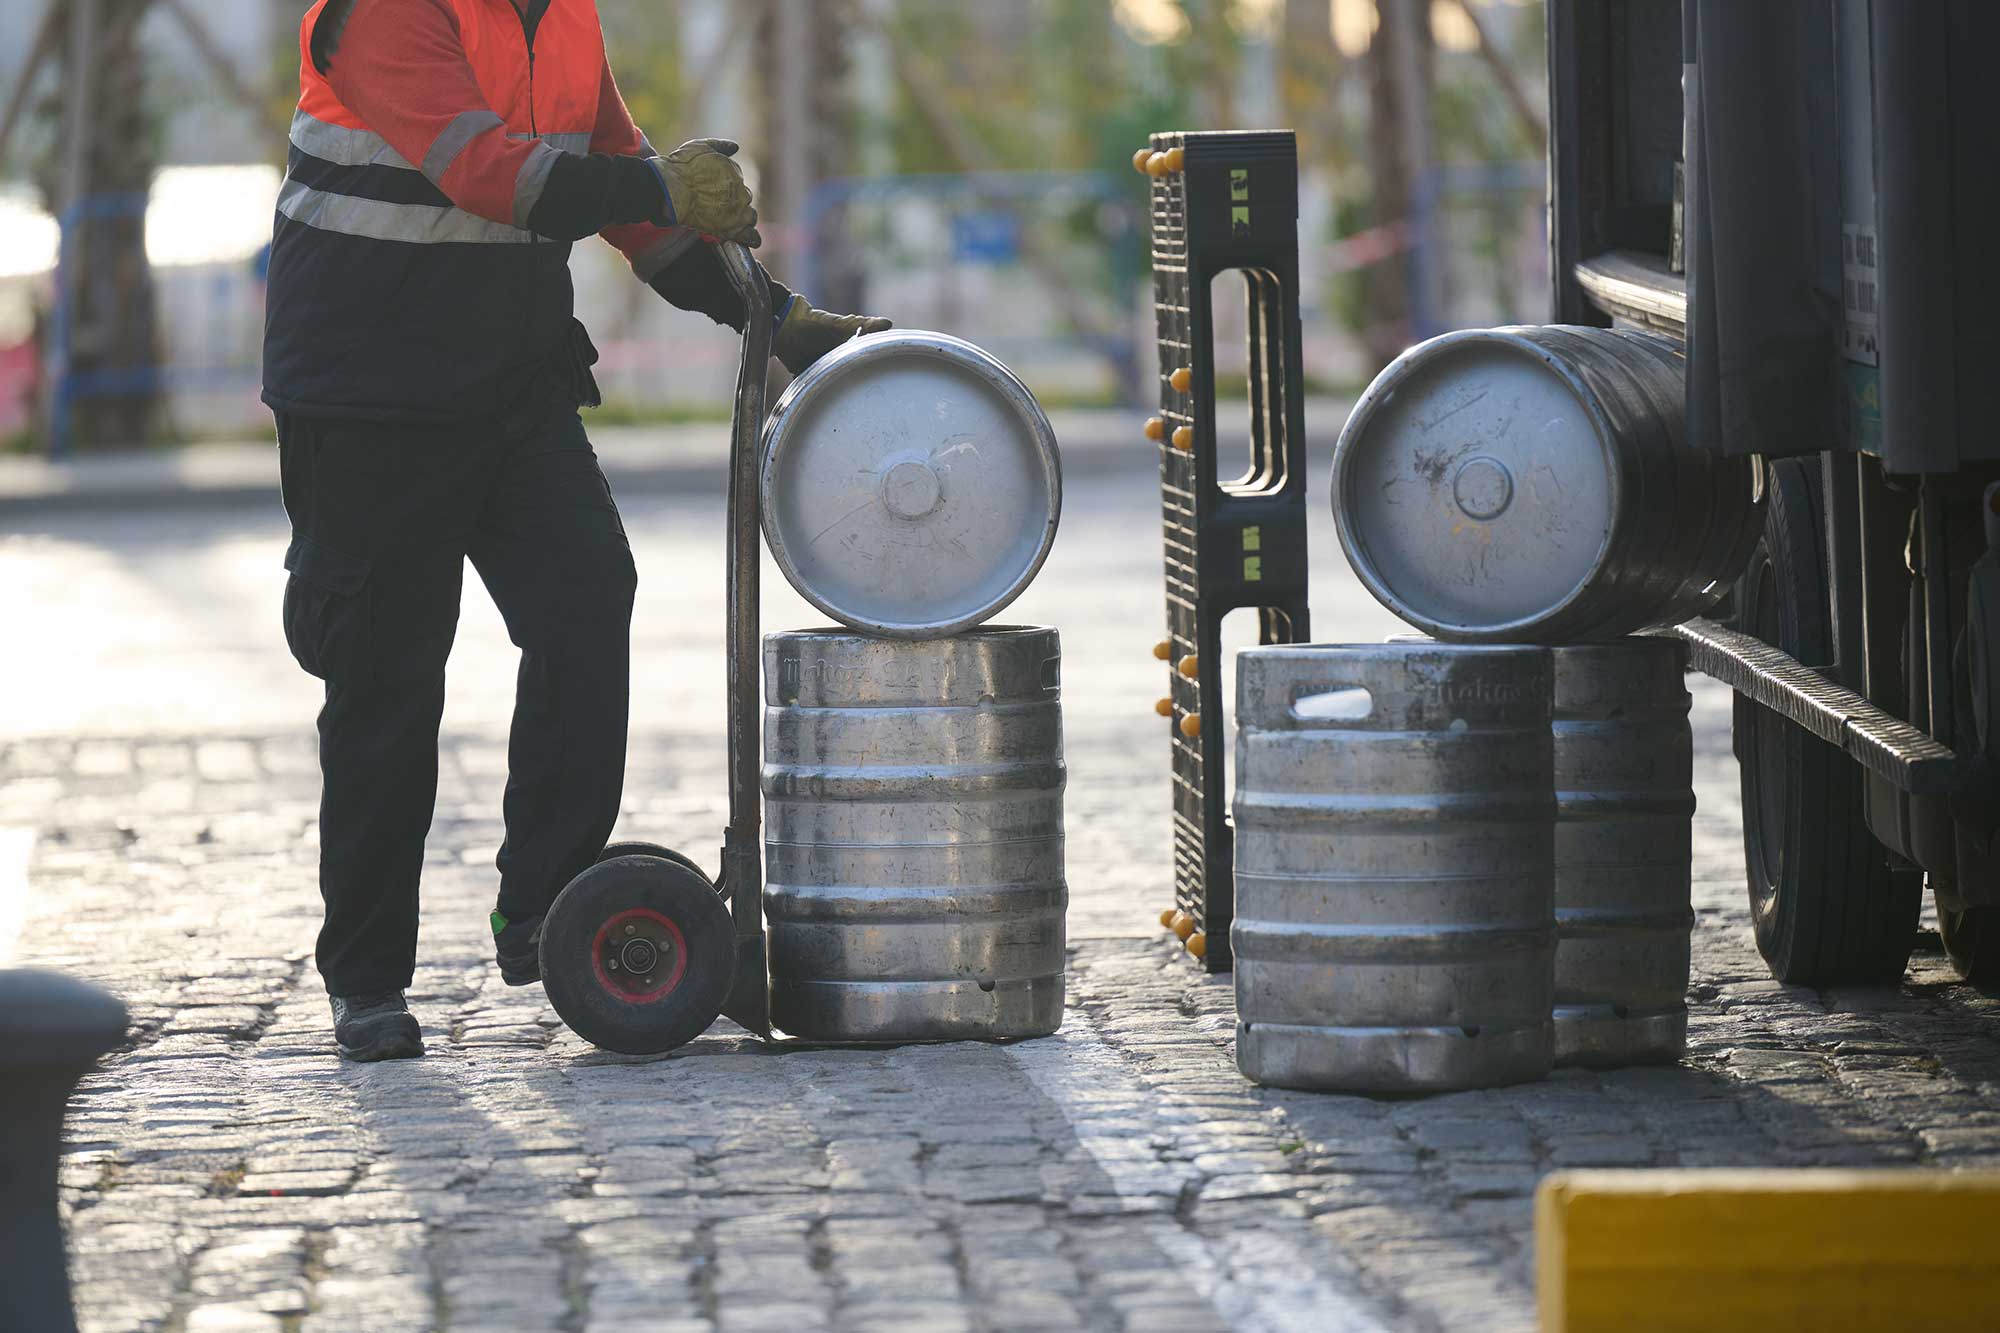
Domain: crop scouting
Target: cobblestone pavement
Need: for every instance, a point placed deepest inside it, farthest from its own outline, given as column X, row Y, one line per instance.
column 226, row 1173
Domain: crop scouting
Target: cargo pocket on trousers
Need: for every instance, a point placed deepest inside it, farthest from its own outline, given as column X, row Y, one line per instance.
column 325, row 612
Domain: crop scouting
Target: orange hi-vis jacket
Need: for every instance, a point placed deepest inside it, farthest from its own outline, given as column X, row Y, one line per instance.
column 444, row 155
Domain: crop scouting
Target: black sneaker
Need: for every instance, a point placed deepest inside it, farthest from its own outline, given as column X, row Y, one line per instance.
column 517, row 947
column 376, row 1027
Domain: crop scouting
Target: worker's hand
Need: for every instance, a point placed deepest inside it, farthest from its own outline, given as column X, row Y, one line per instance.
column 808, row 334
column 707, row 193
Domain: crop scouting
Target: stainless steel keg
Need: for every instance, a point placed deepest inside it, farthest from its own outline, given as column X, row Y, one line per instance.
column 914, row 846
column 1395, row 828
column 1534, row 485
column 1624, row 779
column 911, row 485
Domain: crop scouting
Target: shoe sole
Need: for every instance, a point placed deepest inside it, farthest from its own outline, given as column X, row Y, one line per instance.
column 520, row 977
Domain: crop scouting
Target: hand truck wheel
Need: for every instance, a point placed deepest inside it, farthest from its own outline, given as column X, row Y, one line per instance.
column 638, row 954
column 613, row 851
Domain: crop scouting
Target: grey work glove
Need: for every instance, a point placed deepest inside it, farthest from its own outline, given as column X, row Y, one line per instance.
column 809, row 334
column 705, row 191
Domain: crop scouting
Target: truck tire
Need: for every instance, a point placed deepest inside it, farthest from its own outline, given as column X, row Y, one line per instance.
column 1827, row 904
column 1971, row 938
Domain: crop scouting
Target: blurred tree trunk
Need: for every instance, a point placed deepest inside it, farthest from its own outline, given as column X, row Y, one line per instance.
column 1213, row 40
column 807, row 123
column 1400, row 61
column 281, row 67
column 1309, row 70
column 98, row 176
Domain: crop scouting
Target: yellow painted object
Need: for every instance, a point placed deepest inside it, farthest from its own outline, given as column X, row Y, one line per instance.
column 1182, row 925
column 1764, row 1251
column 1156, row 429
column 1176, row 158
column 1140, row 158
column 1156, row 165
column 1191, row 726
column 1164, row 707
column 1182, row 380
column 1197, row 944
column 1164, row 649
column 1190, row 666
column 1167, row 917
column 1184, row 438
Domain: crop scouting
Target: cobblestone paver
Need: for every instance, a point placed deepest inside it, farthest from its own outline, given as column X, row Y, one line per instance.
column 225, row 1173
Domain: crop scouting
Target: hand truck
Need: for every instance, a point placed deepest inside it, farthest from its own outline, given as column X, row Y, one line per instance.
column 642, row 951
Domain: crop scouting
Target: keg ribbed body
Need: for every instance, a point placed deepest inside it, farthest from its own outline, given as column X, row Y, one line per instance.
column 1536, row 485
column 1624, row 779
column 914, row 846
column 1395, row 820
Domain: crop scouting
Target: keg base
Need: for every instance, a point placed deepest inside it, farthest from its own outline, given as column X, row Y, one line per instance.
column 1595, row 1036
column 899, row 1011
column 1365, row 1059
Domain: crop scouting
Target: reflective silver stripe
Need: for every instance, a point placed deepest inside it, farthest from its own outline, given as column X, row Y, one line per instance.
column 534, row 178
column 562, row 143
column 363, row 148
column 418, row 224
column 344, row 147
column 652, row 261
column 445, row 149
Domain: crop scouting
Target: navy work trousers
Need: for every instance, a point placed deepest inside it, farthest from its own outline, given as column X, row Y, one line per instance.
column 384, row 517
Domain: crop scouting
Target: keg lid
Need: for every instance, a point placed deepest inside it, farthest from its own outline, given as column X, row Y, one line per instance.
column 911, row 485
column 1473, row 487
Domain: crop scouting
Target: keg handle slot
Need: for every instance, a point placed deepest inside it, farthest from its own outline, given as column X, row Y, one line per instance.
column 1333, row 703
column 1052, row 675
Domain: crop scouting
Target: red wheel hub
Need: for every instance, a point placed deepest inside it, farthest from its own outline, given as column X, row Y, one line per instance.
column 639, row 955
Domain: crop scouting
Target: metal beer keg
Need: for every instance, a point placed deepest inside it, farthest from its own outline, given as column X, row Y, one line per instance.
column 1395, row 828
column 1624, row 779
column 1534, row 485
column 914, row 849
column 911, row 485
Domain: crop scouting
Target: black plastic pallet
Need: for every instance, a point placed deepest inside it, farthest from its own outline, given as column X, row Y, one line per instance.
column 1239, row 543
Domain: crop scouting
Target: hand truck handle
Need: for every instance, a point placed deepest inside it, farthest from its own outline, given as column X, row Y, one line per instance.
column 742, row 848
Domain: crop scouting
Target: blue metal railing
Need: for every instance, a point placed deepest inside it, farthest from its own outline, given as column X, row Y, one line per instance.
column 69, row 386
column 1039, row 188
column 1440, row 184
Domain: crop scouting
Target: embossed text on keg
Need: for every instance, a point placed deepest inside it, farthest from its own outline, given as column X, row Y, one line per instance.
column 1477, row 691
column 827, row 677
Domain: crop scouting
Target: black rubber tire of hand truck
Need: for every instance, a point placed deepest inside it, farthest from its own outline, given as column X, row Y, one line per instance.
column 1828, row 904
column 577, row 958
column 634, row 847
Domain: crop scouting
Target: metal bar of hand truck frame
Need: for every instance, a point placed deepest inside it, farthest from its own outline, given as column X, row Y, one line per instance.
column 749, row 1003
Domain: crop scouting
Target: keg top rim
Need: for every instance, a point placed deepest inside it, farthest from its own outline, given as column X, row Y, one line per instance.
column 844, row 632
column 1500, row 526
column 912, row 485
column 1408, row 647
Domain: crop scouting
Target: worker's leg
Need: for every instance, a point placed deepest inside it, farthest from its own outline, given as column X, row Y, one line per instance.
column 553, row 553
column 380, row 518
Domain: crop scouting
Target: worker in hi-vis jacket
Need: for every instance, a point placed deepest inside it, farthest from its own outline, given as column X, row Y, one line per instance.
column 427, row 371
